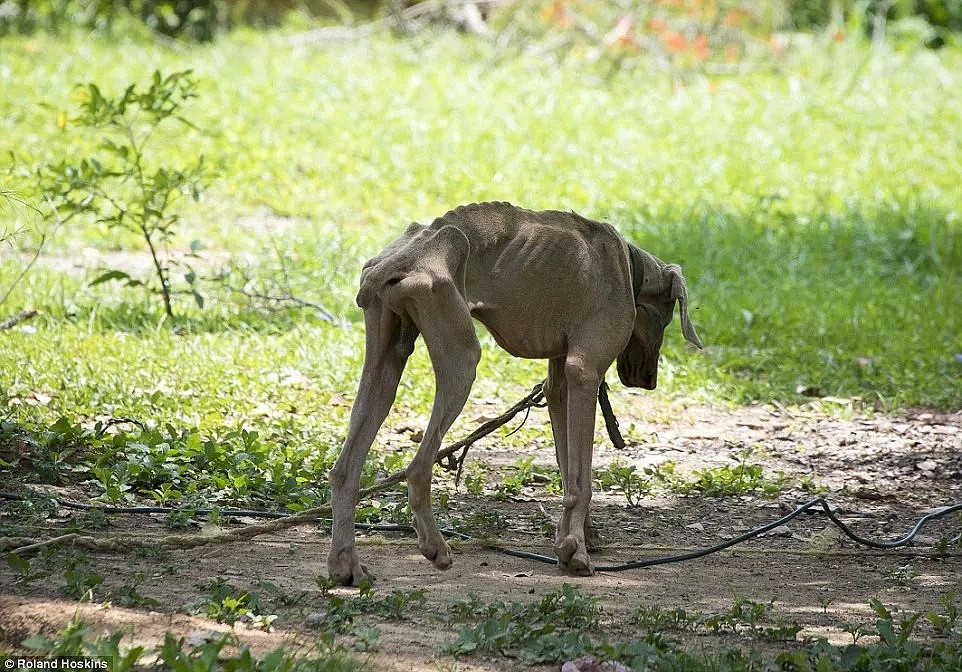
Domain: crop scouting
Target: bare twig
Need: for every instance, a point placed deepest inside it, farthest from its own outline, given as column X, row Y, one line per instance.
column 113, row 422
column 14, row 320
column 276, row 295
column 36, row 254
column 294, row 301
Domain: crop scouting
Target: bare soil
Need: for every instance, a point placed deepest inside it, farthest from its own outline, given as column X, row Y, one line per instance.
column 881, row 473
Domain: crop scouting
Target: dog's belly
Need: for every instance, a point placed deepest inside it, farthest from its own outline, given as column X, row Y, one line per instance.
column 525, row 343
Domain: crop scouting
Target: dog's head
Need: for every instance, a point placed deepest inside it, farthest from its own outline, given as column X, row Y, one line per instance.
column 657, row 287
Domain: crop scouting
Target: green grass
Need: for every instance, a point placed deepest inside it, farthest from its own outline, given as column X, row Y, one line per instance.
column 813, row 202
column 225, row 652
column 567, row 624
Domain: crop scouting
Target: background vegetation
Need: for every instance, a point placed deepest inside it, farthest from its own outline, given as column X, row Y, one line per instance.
column 204, row 19
column 807, row 182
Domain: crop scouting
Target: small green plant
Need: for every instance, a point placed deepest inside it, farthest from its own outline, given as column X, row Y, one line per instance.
column 808, row 484
column 5, row 236
column 211, row 656
column 665, row 475
column 288, row 598
column 902, row 576
column 725, row 481
column 108, row 647
column 365, row 639
column 49, row 455
column 398, row 603
column 656, row 619
column 225, row 603
column 744, row 617
column 857, row 631
column 474, row 479
column 129, row 595
column 467, row 609
column 525, row 473
column 538, row 633
column 385, row 510
column 70, row 642
column 544, row 631
column 122, row 187
column 948, row 624
column 483, row 522
column 897, row 636
column 28, row 570
column 513, row 484
column 341, row 610
column 174, row 654
column 227, row 466
column 945, row 545
column 625, row 477
column 94, row 519
column 180, row 518
column 80, row 579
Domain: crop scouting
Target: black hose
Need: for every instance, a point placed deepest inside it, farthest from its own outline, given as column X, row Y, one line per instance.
column 808, row 506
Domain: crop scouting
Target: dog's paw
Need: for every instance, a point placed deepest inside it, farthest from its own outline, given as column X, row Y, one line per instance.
column 438, row 552
column 573, row 557
column 345, row 568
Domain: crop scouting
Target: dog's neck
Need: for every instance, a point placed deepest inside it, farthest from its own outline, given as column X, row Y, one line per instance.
column 637, row 269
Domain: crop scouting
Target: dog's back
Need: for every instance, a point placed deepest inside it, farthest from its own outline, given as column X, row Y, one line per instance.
column 498, row 223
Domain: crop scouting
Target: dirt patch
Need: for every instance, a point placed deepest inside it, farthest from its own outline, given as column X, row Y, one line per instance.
column 880, row 472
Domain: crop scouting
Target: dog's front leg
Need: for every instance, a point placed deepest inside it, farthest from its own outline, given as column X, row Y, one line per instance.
column 582, row 386
column 556, row 395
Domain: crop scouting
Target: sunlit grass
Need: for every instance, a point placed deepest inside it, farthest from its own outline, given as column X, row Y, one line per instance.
column 813, row 203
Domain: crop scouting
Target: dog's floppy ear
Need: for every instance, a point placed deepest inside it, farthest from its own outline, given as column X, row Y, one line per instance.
column 679, row 291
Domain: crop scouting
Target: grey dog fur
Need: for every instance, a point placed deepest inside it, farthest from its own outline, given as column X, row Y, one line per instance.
column 547, row 285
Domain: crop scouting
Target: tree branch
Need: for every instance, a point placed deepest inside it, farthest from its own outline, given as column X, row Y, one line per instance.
column 22, row 316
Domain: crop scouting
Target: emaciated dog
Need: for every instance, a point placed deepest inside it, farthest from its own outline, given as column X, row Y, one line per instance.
column 547, row 285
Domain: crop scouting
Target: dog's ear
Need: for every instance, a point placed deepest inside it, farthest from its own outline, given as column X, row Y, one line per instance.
column 679, row 291
column 451, row 243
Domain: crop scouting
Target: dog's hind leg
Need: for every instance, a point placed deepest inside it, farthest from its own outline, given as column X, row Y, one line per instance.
column 442, row 316
column 389, row 342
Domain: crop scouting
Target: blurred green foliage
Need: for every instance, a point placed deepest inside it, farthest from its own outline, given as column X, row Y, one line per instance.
column 199, row 20
column 202, row 20
column 814, row 14
column 810, row 191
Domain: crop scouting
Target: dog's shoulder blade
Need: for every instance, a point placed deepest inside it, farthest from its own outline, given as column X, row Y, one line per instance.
column 485, row 225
